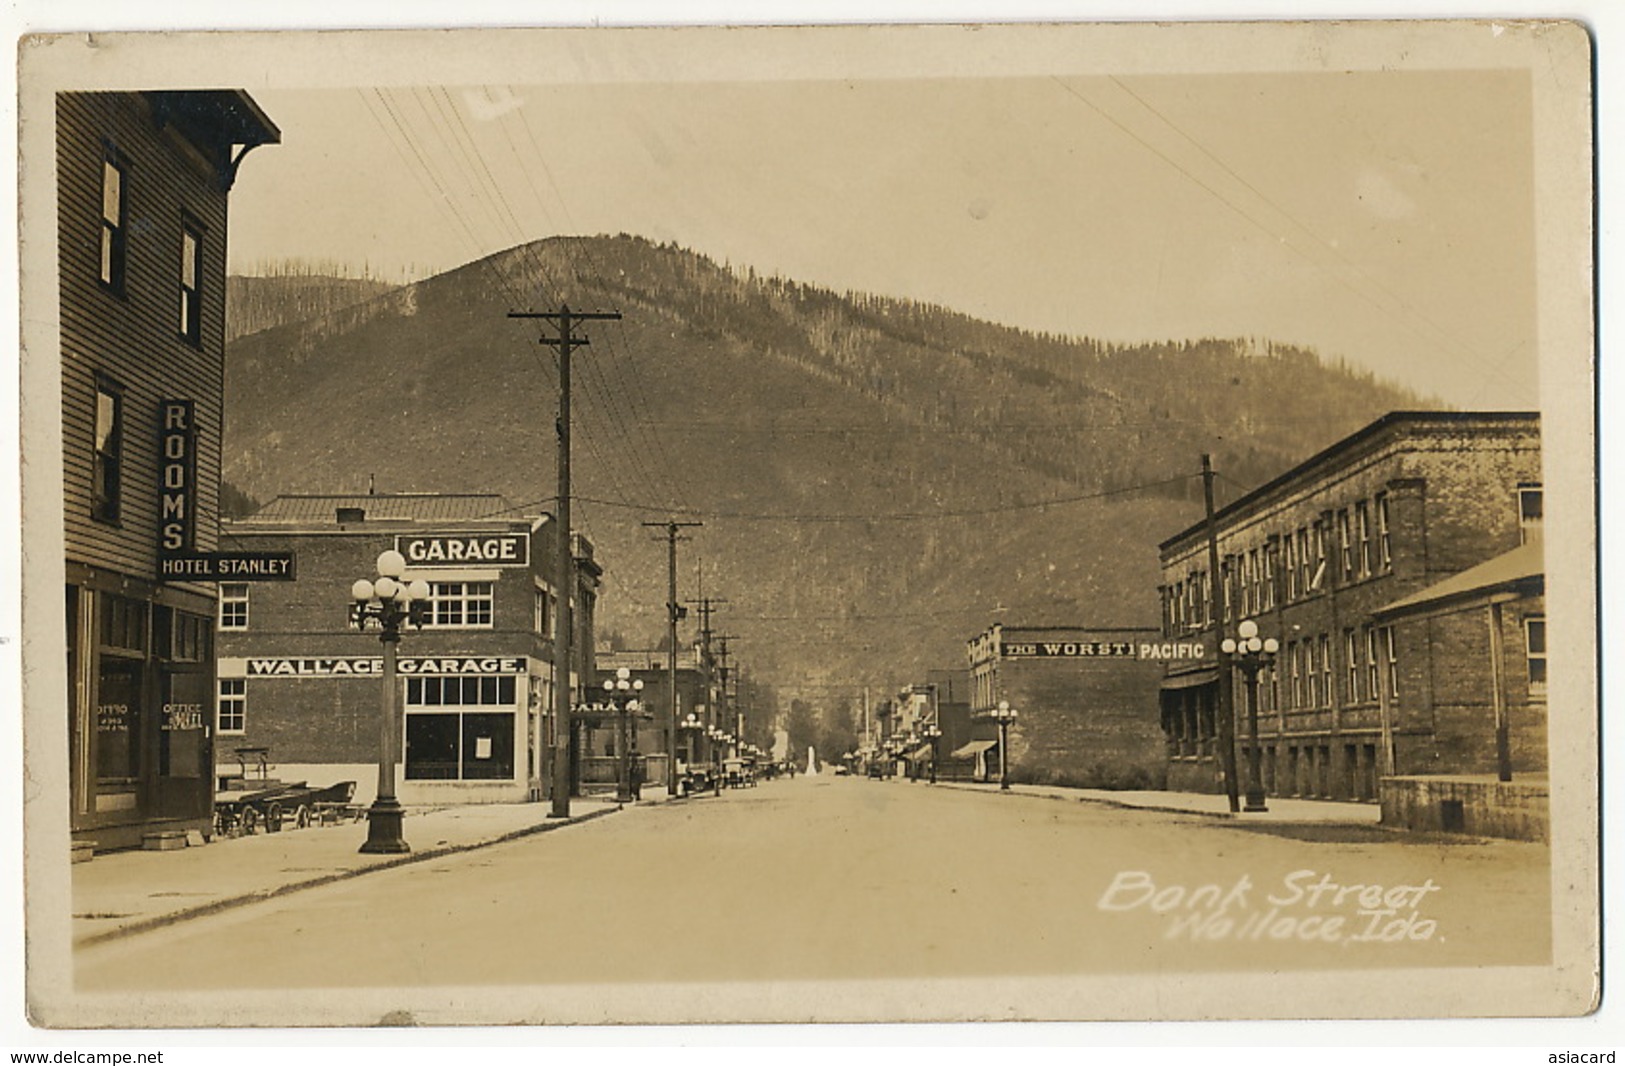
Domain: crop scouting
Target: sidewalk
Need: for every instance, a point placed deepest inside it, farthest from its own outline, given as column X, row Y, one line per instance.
column 1281, row 811
column 129, row 891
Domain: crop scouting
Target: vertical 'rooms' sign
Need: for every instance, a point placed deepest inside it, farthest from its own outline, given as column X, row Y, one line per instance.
column 177, row 477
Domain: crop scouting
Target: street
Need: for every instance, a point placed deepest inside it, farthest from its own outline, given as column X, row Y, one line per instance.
column 838, row 877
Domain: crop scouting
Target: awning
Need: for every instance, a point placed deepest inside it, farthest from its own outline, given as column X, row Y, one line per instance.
column 1191, row 680
column 1522, row 567
column 973, row 749
column 919, row 754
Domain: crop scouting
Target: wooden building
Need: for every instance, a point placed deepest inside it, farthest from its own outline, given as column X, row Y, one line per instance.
column 143, row 180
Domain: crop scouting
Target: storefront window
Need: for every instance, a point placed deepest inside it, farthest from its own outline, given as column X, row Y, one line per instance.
column 468, row 733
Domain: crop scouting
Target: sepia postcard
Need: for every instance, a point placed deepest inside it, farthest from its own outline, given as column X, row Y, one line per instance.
column 868, row 523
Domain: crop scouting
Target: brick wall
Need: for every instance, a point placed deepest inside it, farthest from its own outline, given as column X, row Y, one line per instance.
column 1083, row 721
column 1450, row 484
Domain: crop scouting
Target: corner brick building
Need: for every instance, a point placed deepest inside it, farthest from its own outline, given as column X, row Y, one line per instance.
column 1082, row 697
column 1316, row 557
column 476, row 681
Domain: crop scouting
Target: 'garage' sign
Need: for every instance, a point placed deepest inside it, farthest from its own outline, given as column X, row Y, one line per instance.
column 488, row 549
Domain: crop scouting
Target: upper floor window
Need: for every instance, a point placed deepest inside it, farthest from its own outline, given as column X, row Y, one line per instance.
column 1531, row 511
column 1362, row 533
column 1351, row 657
column 1326, row 669
column 234, row 606
column 1305, row 563
column 1534, row 631
column 191, row 294
column 460, row 605
column 114, row 225
column 544, row 614
column 1373, row 666
column 1322, row 534
column 1385, row 553
column 1267, row 557
column 108, row 455
column 1393, row 661
column 1345, row 543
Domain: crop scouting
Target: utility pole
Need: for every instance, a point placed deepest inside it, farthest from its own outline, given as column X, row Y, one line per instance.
column 736, row 720
column 674, row 613
column 563, row 727
column 706, row 604
column 1227, row 697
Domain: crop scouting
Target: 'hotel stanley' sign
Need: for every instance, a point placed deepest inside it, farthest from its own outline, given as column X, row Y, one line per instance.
column 178, row 559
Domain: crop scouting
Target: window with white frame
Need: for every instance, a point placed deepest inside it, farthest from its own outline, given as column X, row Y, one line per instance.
column 231, row 708
column 1294, row 656
column 115, row 216
column 1345, row 543
column 1385, row 552
column 1534, row 635
column 460, row 605
column 191, row 283
column 1362, row 533
column 1326, row 669
column 107, row 460
column 544, row 613
column 1393, row 661
column 234, row 605
column 1531, row 511
column 1351, row 655
column 1373, row 667
column 1311, row 676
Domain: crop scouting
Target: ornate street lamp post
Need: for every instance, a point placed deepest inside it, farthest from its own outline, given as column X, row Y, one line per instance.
column 623, row 695
column 933, row 734
column 1004, row 714
column 1252, row 654
column 387, row 602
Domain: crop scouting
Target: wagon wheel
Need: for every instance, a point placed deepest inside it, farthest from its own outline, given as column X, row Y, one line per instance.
column 250, row 820
column 273, row 818
column 301, row 817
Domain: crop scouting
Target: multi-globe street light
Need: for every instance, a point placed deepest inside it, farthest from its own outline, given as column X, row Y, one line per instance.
column 1251, row 653
column 692, row 727
column 387, row 601
column 1004, row 714
column 624, row 693
column 933, row 734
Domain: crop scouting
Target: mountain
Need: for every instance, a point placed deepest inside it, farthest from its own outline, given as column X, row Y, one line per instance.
column 878, row 480
column 264, row 302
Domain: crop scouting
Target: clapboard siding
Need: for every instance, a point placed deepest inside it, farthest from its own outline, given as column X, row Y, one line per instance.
column 135, row 339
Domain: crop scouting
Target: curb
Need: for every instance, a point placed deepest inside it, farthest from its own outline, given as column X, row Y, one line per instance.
column 146, row 925
column 1226, row 816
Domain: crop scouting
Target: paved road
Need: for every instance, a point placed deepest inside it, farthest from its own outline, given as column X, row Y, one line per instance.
column 822, row 878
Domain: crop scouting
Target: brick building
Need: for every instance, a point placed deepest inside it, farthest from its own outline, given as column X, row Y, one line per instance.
column 1314, row 557
column 476, row 681
column 1487, row 682
column 1081, row 695
column 143, row 181
column 696, row 695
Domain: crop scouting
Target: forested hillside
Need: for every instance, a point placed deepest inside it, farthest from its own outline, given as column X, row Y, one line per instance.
column 878, row 480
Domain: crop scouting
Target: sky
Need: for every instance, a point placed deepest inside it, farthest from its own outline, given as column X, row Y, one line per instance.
column 1383, row 218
